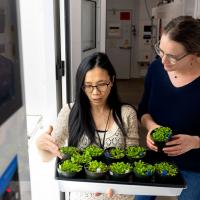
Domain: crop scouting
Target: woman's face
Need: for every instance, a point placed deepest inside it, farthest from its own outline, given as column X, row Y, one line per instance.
column 97, row 86
column 175, row 51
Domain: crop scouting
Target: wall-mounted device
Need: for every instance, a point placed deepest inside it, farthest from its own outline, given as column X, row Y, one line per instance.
column 147, row 32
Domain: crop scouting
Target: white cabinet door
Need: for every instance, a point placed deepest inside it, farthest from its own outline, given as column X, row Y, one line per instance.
column 118, row 41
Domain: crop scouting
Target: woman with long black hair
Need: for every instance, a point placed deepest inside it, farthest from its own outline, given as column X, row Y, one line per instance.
column 97, row 116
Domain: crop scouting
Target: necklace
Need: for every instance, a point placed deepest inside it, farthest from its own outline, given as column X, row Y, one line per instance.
column 102, row 144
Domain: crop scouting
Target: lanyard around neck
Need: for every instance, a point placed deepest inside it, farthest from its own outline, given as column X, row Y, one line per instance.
column 106, row 129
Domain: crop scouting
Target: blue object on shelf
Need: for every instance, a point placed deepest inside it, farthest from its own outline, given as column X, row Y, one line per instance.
column 7, row 175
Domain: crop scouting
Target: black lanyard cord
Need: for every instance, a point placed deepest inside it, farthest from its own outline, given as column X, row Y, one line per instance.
column 106, row 129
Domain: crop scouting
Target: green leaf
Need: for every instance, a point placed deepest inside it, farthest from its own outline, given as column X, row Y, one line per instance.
column 143, row 168
column 97, row 167
column 161, row 134
column 68, row 166
column 120, row 168
column 166, row 169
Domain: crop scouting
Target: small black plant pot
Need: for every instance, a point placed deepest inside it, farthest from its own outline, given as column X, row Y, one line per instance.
column 68, row 169
column 135, row 153
column 120, row 170
column 160, row 145
column 160, row 136
column 166, row 172
column 108, row 157
column 67, row 155
column 95, row 152
column 110, row 160
column 98, row 158
column 143, row 178
column 94, row 175
column 68, row 174
column 132, row 159
column 118, row 177
column 165, row 179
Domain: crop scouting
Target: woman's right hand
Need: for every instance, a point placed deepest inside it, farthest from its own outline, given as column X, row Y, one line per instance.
column 46, row 142
column 148, row 122
column 149, row 141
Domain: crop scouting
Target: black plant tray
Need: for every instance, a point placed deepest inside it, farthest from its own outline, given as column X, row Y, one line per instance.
column 130, row 186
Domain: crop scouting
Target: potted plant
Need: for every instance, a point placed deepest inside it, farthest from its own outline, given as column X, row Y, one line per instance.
column 81, row 158
column 68, row 151
column 93, row 151
column 134, row 153
column 165, row 170
column 160, row 136
column 68, row 169
column 114, row 154
column 120, row 170
column 95, row 169
column 143, row 171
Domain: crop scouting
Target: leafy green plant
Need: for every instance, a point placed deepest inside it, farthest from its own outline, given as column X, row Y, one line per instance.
column 97, row 167
column 143, row 169
column 116, row 153
column 135, row 152
column 93, row 151
column 81, row 158
column 120, row 168
column 69, row 150
column 166, row 169
column 161, row 134
column 70, row 167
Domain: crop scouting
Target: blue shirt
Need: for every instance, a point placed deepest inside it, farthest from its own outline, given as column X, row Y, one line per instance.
column 175, row 107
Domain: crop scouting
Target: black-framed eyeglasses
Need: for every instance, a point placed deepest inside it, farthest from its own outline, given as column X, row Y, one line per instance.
column 101, row 87
column 171, row 58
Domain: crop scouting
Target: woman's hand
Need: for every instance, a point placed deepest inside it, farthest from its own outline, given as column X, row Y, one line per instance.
column 149, row 141
column 109, row 193
column 181, row 144
column 148, row 122
column 46, row 142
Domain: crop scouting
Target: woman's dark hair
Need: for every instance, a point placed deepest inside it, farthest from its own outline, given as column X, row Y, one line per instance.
column 80, row 118
column 185, row 30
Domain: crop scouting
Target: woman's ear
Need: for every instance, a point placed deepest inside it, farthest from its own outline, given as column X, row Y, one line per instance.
column 113, row 79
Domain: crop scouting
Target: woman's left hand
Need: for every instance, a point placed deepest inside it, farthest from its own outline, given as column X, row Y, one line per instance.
column 181, row 144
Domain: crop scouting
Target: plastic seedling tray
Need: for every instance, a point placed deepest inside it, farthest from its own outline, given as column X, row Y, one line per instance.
column 130, row 186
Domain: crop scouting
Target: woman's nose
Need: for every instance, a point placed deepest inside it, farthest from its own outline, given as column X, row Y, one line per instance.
column 164, row 59
column 95, row 90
